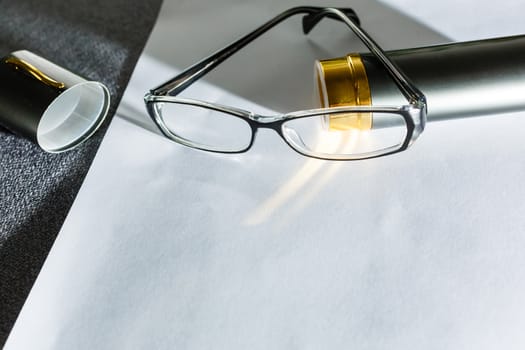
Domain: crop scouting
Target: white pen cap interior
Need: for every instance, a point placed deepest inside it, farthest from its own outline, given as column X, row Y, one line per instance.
column 73, row 116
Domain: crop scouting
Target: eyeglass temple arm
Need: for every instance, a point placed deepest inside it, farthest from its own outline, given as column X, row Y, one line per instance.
column 176, row 85
column 409, row 90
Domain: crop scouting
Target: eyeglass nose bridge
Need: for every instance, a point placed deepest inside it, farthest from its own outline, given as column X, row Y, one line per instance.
column 272, row 122
column 265, row 120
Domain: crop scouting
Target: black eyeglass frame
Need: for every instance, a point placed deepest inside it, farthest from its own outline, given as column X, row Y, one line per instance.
column 414, row 113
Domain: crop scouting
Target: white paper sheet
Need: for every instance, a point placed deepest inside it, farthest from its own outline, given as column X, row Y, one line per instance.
column 170, row 248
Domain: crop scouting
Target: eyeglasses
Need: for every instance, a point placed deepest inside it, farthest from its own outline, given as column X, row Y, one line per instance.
column 371, row 131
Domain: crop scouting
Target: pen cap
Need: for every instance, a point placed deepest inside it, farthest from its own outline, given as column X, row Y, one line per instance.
column 459, row 79
column 48, row 104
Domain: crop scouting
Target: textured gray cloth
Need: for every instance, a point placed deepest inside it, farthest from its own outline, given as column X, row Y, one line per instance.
column 100, row 40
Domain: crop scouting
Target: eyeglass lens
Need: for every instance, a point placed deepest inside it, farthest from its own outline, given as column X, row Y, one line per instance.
column 348, row 136
column 206, row 128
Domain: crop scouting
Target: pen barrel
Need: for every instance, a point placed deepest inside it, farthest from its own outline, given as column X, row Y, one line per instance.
column 459, row 79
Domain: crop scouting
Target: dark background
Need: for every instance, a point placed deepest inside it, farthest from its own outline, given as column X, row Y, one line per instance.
column 100, row 40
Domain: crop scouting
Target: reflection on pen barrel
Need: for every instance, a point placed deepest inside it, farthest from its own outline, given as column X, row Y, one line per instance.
column 459, row 79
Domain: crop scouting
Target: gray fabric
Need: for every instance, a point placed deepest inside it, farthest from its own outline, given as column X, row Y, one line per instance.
column 98, row 39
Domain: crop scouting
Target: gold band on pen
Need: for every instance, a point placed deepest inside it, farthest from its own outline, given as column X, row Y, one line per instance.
column 33, row 71
column 343, row 82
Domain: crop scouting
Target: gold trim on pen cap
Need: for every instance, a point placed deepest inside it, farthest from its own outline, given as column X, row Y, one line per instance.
column 343, row 82
column 33, row 71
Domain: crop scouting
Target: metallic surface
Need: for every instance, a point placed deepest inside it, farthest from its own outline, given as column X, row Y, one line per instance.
column 460, row 79
column 343, row 82
column 35, row 72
